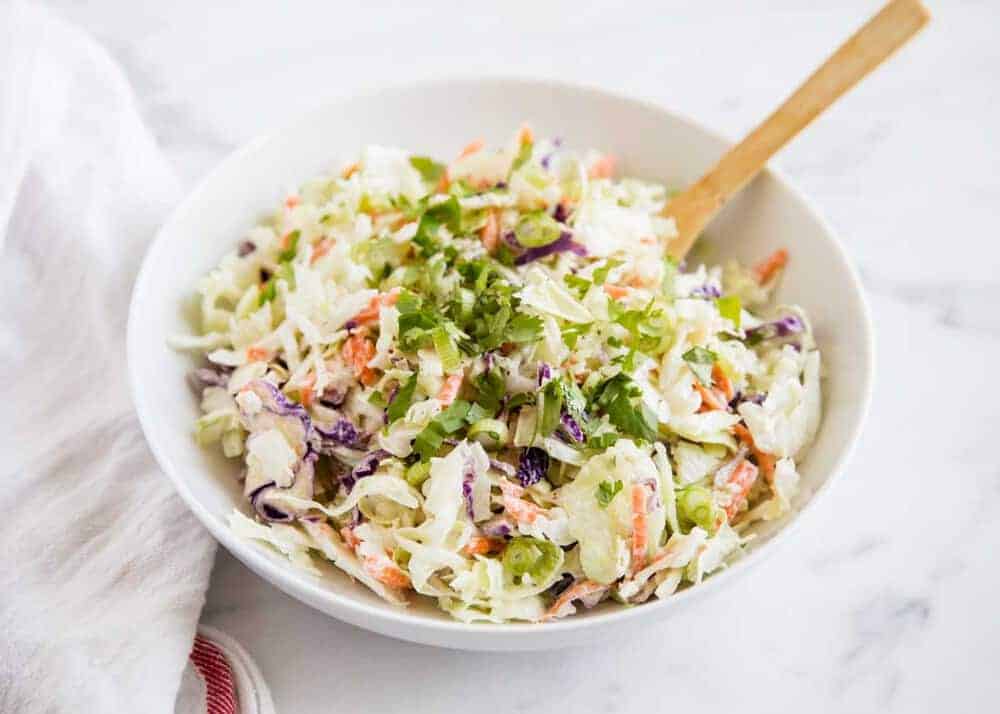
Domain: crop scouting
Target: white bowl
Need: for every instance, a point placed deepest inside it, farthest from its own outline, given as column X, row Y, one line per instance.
column 439, row 118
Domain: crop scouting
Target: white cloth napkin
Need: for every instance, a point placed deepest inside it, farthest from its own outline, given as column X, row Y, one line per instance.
column 103, row 571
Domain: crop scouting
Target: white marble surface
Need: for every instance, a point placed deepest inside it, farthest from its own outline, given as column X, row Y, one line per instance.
column 888, row 599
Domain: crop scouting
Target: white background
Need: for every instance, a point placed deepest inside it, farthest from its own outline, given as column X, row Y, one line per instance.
column 888, row 599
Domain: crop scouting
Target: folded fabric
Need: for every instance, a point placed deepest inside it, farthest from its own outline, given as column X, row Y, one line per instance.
column 104, row 569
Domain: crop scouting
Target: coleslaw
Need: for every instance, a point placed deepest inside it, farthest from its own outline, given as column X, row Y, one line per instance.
column 481, row 382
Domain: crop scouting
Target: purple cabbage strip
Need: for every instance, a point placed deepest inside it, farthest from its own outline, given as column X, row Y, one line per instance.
column 572, row 429
column 533, row 466
column 562, row 244
column 706, row 291
column 488, row 360
column 332, row 397
column 207, row 377
column 350, row 324
column 500, row 184
column 245, row 248
column 277, row 403
column 258, row 499
column 343, row 433
column 783, row 327
column 497, row 527
column 366, row 467
column 560, row 213
column 468, row 478
column 503, row 467
column 511, row 240
column 544, row 373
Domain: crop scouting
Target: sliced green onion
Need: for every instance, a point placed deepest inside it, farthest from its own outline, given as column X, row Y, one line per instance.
column 700, row 360
column 730, row 308
column 531, row 556
column 696, row 506
column 418, row 473
column 491, row 433
column 537, row 229
column 446, row 349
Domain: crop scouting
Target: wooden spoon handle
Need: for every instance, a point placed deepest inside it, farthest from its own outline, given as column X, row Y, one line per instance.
column 867, row 49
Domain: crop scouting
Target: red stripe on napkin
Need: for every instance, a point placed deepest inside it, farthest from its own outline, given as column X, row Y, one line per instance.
column 214, row 668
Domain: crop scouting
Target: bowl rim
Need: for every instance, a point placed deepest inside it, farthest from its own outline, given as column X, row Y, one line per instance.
column 282, row 575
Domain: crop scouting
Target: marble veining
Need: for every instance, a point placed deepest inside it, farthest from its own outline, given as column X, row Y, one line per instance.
column 886, row 598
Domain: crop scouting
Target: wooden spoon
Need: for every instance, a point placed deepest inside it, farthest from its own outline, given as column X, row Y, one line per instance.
column 889, row 30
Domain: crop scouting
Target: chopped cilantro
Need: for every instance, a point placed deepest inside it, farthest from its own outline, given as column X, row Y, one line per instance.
column 403, row 399
column 429, row 169
column 606, row 492
column 700, row 360
column 620, row 399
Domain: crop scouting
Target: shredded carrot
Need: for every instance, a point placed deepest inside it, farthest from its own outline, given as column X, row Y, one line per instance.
column 490, row 233
column 525, row 135
column 739, row 483
column 352, row 540
column 306, row 393
column 712, row 399
column 285, row 241
column 358, row 351
column 449, row 390
column 616, row 291
column 471, row 148
column 375, row 305
column 385, row 571
column 480, row 545
column 444, row 183
column 321, row 249
column 769, row 267
column 720, row 380
column 573, row 592
column 257, row 354
column 604, row 167
column 516, row 507
column 765, row 461
column 350, row 170
column 292, row 201
column 640, row 535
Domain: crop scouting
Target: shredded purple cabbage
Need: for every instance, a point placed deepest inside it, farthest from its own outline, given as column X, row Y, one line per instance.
column 706, row 291
column 511, row 240
column 572, row 429
column 497, row 527
column 343, row 433
column 333, row 397
column 207, row 377
column 488, row 360
column 562, row 244
column 245, row 248
column 468, row 478
column 503, row 467
column 500, row 184
column 560, row 213
column 783, row 327
column 366, row 467
column 350, row 324
column 544, row 373
column 533, row 466
column 559, row 586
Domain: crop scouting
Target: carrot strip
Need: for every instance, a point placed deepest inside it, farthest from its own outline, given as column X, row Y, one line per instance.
column 616, row 291
column 573, row 592
column 739, row 484
column 375, row 305
column 765, row 461
column 471, row 148
column 385, row 571
column 307, row 394
column 352, row 540
column 480, row 545
column 720, row 380
column 525, row 135
column 449, row 390
column 604, row 167
column 769, row 267
column 490, row 233
column 350, row 170
column 292, row 201
column 516, row 507
column 358, row 351
column 640, row 534
column 321, row 249
column 711, row 399
column 257, row 354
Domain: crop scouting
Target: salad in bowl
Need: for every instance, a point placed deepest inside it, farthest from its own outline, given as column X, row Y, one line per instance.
column 482, row 382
